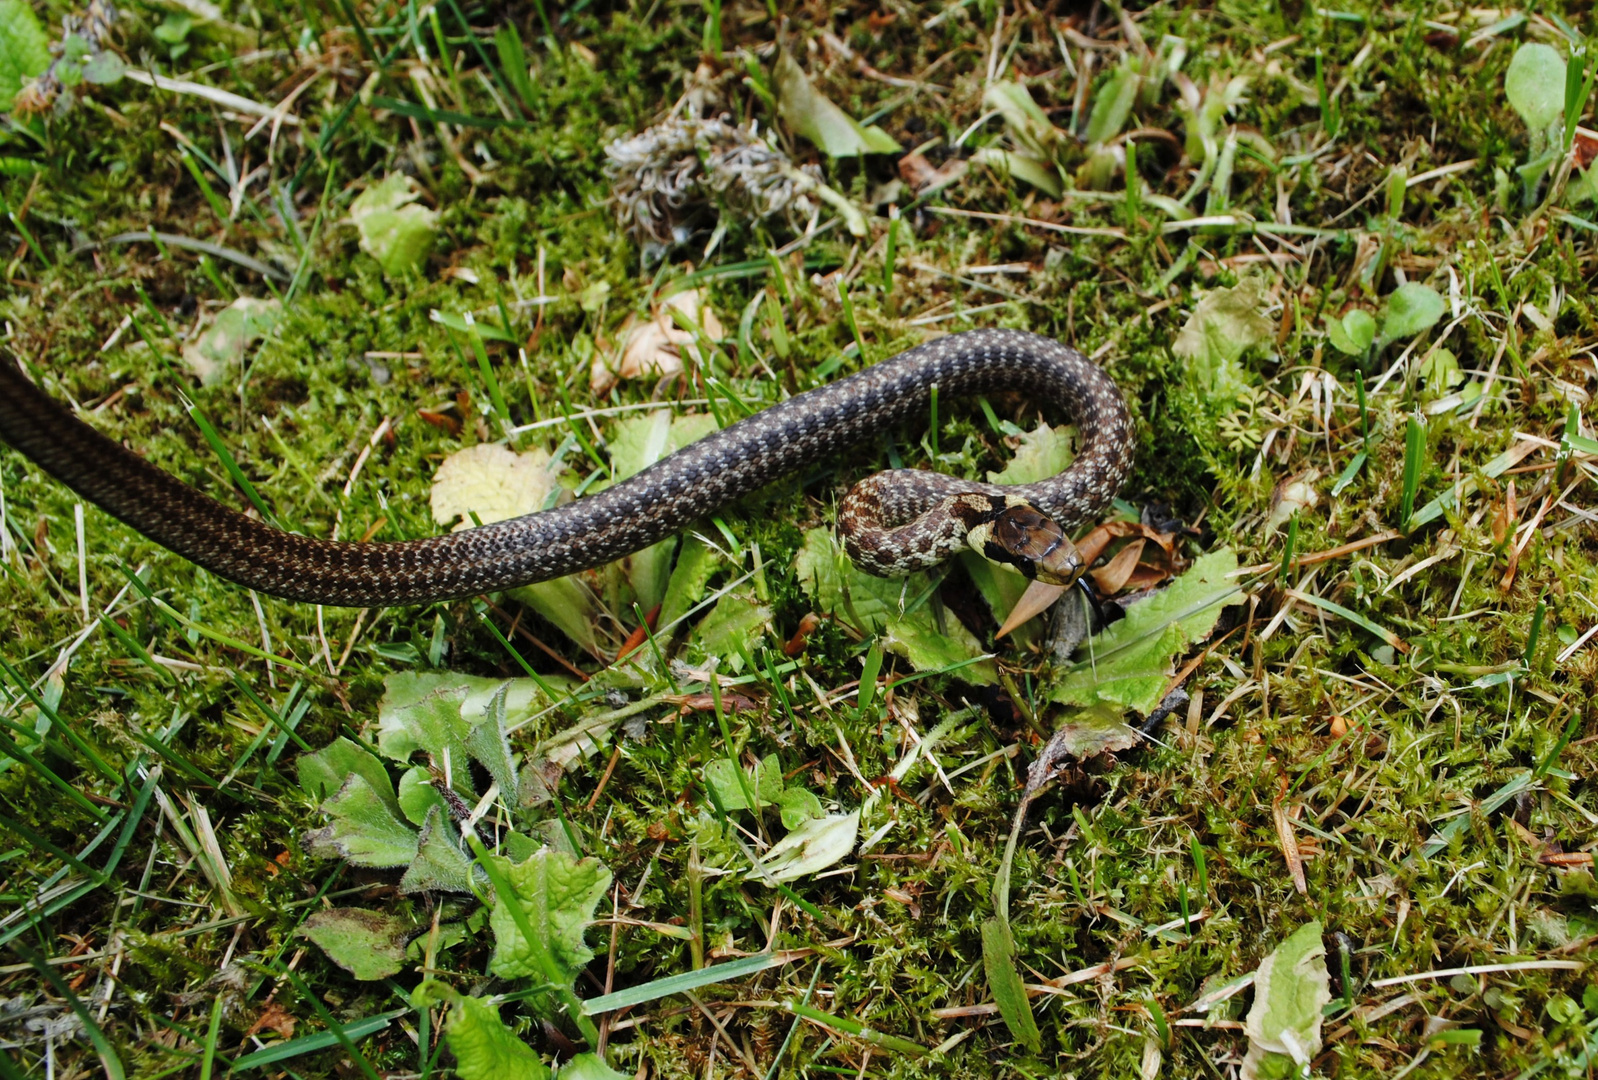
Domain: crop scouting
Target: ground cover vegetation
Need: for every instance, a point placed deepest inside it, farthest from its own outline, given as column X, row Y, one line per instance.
column 1307, row 795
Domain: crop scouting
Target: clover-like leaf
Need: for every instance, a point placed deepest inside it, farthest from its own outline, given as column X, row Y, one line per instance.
column 1353, row 333
column 1411, row 308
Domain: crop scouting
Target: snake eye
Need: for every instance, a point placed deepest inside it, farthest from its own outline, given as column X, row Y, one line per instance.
column 1035, row 545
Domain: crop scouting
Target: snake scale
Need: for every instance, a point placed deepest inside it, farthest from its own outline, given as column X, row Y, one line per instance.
column 892, row 523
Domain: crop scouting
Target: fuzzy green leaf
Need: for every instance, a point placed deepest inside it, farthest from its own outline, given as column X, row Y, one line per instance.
column 368, row 944
column 485, row 1049
column 365, row 829
column 440, row 864
column 557, row 893
column 1353, row 333
column 879, row 605
column 323, row 773
column 1131, row 660
column 24, row 49
column 765, row 783
column 738, row 618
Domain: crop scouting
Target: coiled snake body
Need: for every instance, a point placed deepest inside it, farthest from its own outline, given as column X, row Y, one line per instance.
column 892, row 523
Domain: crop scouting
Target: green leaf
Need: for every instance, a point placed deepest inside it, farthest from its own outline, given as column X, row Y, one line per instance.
column 219, row 352
column 1441, row 371
column 394, row 230
column 1040, row 174
column 417, row 795
column 738, row 619
column 765, row 783
column 104, row 69
column 1004, row 983
column 590, row 1067
column 323, row 773
column 681, row 983
column 1042, row 453
column 365, row 829
column 797, row 806
column 1225, row 324
column 463, row 716
column 368, row 944
column 810, row 113
column 440, row 864
column 696, row 562
column 1131, row 660
column 1535, row 85
column 814, row 846
column 24, row 49
column 880, row 605
column 1029, row 126
column 1353, row 333
column 1411, row 308
column 569, row 604
column 1112, row 105
column 557, row 893
column 485, row 1049
column 1290, row 988
column 635, row 445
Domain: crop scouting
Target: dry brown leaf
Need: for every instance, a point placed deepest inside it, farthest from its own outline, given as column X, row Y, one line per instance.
column 655, row 349
column 1112, row 577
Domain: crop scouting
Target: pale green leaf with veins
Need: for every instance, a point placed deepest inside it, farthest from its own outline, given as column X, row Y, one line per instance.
column 363, row 829
column 485, row 1049
column 557, row 893
column 394, row 230
column 1128, row 664
column 1225, row 324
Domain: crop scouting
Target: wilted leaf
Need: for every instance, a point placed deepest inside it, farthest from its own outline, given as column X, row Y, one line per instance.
column 1225, row 324
column 485, row 1049
column 24, row 49
column 364, row 829
column 394, row 229
column 491, row 481
column 1004, row 982
column 1100, row 728
column 219, row 352
column 367, row 944
column 1131, row 660
column 814, row 846
column 1290, row 988
column 1411, row 308
column 810, row 113
column 1535, row 85
column 557, row 893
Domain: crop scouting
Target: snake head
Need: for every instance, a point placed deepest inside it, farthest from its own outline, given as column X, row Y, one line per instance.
column 1020, row 536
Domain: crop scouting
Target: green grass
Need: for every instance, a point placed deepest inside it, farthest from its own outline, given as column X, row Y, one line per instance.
column 1429, row 754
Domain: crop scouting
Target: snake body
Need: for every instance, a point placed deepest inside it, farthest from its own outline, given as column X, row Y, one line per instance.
column 892, row 523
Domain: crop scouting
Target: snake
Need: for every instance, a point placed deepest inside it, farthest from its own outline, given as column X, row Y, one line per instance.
column 892, row 523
